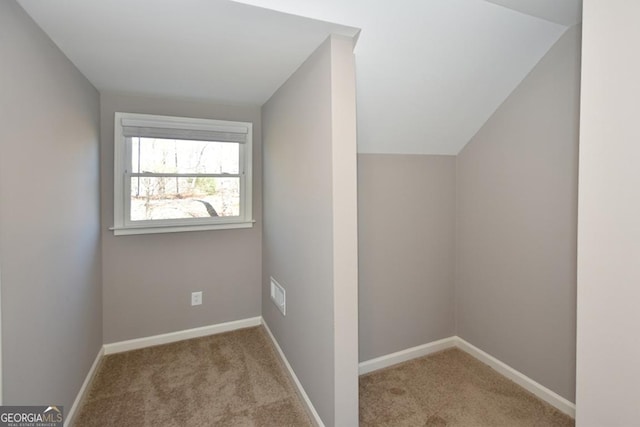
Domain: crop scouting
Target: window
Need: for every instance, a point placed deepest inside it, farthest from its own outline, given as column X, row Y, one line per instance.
column 180, row 174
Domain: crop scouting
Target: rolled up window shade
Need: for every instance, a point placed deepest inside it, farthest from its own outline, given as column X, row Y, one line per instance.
column 188, row 131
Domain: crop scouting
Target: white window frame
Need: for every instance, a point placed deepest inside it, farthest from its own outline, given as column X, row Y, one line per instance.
column 122, row 170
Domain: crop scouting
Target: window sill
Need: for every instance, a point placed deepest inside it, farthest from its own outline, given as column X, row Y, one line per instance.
column 127, row 231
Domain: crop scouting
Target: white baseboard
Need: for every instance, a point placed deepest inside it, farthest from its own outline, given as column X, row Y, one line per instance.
column 135, row 344
column 303, row 394
column 519, row 378
column 404, row 355
column 83, row 389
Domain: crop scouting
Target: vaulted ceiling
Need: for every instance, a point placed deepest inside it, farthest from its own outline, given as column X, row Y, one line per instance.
column 209, row 49
column 429, row 72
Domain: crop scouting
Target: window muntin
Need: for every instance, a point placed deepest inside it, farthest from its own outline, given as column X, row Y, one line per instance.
column 178, row 174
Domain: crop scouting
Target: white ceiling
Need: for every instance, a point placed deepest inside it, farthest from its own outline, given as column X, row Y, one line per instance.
column 209, row 49
column 564, row 12
column 429, row 72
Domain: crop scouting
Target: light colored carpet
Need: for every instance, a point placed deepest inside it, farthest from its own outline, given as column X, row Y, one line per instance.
column 231, row 379
column 450, row 388
column 237, row 379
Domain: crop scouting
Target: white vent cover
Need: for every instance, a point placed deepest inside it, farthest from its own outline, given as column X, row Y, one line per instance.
column 279, row 296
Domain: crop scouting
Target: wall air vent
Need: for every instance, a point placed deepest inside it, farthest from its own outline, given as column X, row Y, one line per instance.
column 279, row 296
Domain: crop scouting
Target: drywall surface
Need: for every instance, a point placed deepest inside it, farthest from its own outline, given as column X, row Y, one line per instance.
column 516, row 225
column 345, row 229
column 297, row 239
column 49, row 217
column 608, row 373
column 148, row 279
column 430, row 73
column 309, row 211
column 406, row 251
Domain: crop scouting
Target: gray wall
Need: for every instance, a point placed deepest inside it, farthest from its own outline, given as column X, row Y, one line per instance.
column 49, row 217
column 609, row 208
column 406, row 208
column 302, row 211
column 148, row 279
column 516, row 225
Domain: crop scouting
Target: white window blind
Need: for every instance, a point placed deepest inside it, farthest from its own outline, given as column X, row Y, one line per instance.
column 184, row 131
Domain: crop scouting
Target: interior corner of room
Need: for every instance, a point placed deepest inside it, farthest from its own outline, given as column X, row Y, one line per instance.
column 462, row 176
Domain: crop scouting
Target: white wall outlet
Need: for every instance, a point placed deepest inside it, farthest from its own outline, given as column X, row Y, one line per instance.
column 279, row 296
column 196, row 298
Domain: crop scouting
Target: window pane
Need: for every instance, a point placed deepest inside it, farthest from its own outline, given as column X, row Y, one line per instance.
column 178, row 156
column 177, row 198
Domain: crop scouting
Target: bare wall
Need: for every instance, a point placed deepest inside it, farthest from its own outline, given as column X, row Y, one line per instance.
column 406, row 208
column 308, row 123
column 49, row 217
column 344, row 171
column 148, row 279
column 516, row 225
column 608, row 373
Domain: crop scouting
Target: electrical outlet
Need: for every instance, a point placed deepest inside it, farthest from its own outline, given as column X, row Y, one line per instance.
column 196, row 298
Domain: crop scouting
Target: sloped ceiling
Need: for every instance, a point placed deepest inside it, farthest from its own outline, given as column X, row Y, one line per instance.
column 564, row 12
column 429, row 72
column 208, row 49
